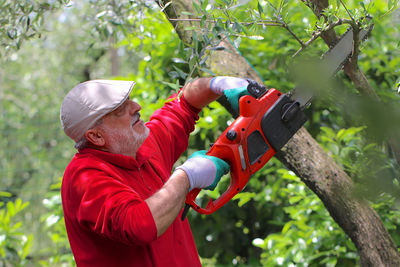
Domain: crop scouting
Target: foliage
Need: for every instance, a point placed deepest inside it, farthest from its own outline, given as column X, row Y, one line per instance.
column 60, row 252
column 388, row 208
column 366, row 163
column 310, row 237
column 22, row 20
column 276, row 220
column 15, row 245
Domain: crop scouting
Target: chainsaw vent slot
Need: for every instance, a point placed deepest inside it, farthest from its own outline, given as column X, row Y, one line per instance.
column 256, row 146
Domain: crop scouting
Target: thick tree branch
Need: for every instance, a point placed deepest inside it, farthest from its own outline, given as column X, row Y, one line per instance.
column 173, row 10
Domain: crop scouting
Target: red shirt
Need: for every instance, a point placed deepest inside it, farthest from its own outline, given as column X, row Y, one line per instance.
column 107, row 220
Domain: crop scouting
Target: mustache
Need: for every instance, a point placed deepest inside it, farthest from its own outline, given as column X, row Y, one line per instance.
column 135, row 118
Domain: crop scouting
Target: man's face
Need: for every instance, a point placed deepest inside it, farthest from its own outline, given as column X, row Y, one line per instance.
column 124, row 131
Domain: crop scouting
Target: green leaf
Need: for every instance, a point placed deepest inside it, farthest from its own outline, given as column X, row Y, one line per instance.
column 228, row 24
column 363, row 6
column 196, row 7
column 203, row 21
column 10, row 209
column 244, row 197
column 181, row 73
column 204, row 4
column 260, row 8
column 295, row 199
column 26, row 249
column 390, row 4
column 172, row 85
column 256, row 37
column 287, row 226
column 190, row 28
column 178, row 60
column 369, row 147
column 208, row 71
column 12, row 34
column 5, row 194
column 216, row 48
column 340, row 134
column 187, row 13
column 166, row 5
column 328, row 131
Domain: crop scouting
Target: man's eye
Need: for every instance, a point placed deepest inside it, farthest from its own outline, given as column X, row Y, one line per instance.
column 120, row 112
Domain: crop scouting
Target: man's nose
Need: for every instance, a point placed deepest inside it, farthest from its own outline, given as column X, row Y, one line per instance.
column 134, row 107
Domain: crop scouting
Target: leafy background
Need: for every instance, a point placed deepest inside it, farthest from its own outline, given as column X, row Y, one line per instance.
column 47, row 47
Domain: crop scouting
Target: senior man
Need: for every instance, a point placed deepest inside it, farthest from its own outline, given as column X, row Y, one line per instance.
column 121, row 202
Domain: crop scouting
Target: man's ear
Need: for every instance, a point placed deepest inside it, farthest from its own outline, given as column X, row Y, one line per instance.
column 95, row 136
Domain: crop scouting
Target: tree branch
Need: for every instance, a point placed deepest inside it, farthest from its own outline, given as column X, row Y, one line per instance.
column 286, row 26
column 318, row 34
column 260, row 22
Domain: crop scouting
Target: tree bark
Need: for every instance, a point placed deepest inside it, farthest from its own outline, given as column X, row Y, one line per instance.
column 314, row 166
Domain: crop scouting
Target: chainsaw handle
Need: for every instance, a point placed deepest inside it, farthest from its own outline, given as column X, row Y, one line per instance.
column 238, row 179
column 213, row 205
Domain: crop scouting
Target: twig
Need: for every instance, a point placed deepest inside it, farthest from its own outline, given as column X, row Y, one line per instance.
column 319, row 33
column 306, row 44
column 272, row 23
column 281, row 6
column 348, row 12
column 261, row 22
column 293, row 34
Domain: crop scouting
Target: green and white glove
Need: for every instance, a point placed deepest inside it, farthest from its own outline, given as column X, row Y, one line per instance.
column 232, row 87
column 204, row 171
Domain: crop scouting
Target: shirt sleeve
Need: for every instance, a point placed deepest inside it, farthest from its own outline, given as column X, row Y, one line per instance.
column 111, row 209
column 171, row 126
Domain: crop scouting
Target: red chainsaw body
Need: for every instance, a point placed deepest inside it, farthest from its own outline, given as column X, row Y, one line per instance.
column 233, row 147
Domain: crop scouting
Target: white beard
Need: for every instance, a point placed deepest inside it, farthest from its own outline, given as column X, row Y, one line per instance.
column 127, row 141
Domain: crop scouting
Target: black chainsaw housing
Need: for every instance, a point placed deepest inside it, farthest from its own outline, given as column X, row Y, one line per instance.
column 256, row 146
column 282, row 121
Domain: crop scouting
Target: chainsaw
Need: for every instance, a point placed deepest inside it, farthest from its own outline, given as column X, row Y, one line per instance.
column 268, row 119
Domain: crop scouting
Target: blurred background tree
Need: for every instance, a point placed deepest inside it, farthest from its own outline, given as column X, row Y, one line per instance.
column 50, row 46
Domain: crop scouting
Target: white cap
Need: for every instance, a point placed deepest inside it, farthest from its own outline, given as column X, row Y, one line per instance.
column 89, row 101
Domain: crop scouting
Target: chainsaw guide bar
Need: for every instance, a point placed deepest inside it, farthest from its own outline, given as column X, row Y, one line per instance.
column 333, row 60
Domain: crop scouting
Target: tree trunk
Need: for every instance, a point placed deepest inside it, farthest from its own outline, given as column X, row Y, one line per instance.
column 317, row 170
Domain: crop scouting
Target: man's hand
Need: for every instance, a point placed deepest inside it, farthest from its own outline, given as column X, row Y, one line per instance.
column 204, row 171
column 233, row 88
